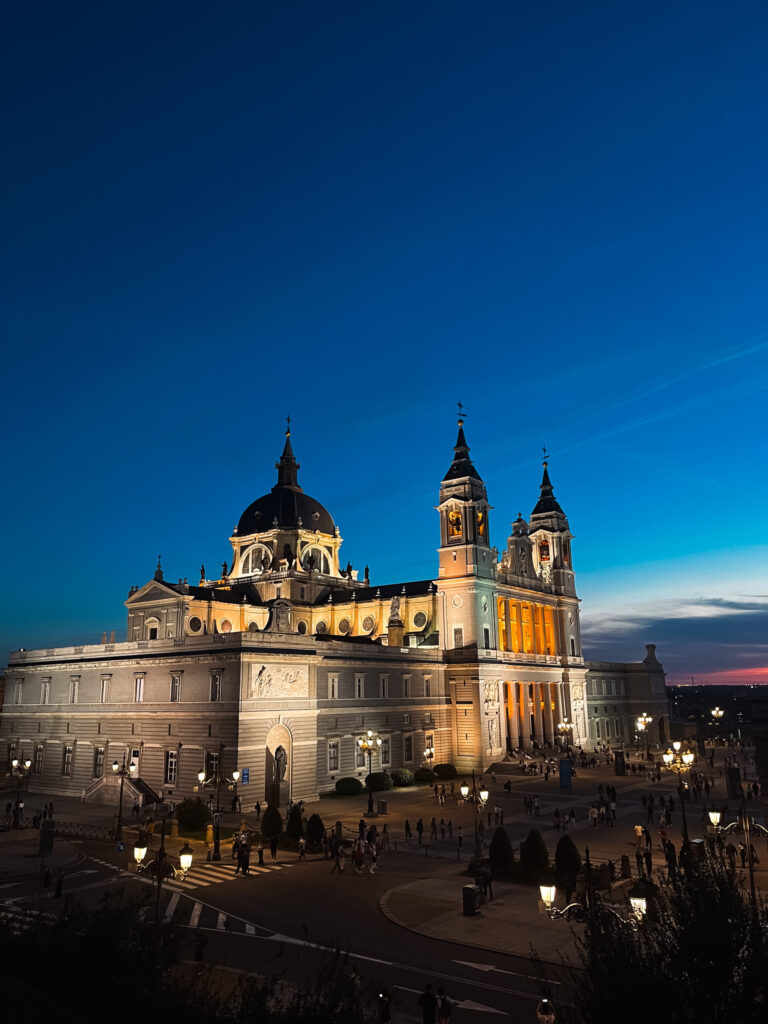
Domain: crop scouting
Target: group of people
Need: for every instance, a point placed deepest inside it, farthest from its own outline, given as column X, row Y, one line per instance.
column 14, row 814
column 241, row 852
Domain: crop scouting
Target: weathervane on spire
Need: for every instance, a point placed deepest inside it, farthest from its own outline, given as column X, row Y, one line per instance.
column 462, row 414
column 545, row 455
column 287, row 426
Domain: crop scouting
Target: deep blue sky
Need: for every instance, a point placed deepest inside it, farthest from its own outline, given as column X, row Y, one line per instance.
column 358, row 214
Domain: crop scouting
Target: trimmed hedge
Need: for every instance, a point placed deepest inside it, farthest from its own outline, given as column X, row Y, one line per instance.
column 315, row 830
column 567, row 858
column 424, row 775
column 378, row 781
column 445, row 771
column 501, row 856
column 402, row 777
column 349, row 786
column 295, row 827
column 271, row 822
column 192, row 815
column 533, row 853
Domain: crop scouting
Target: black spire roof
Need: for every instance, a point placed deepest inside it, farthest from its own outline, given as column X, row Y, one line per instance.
column 547, row 502
column 287, row 468
column 462, row 464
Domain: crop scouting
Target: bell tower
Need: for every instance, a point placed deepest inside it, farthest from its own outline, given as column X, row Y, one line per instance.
column 464, row 528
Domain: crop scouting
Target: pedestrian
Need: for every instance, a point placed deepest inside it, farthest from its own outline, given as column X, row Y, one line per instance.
column 385, row 1013
column 428, row 1004
column 460, row 838
column 257, row 808
column 648, row 857
column 419, row 829
column 536, row 807
column 234, row 804
column 444, row 1007
column 743, row 854
column 407, row 829
column 647, row 837
column 442, row 828
column 273, row 849
column 450, row 828
column 640, row 863
column 433, row 829
column 437, row 791
column 302, row 848
column 557, row 819
column 487, row 881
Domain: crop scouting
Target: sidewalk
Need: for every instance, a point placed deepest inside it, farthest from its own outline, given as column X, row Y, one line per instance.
column 19, row 859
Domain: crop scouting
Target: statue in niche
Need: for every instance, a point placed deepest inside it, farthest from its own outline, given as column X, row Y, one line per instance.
column 394, row 609
column 481, row 524
column 281, row 761
column 492, row 733
column 522, row 561
column 454, row 523
column 505, row 561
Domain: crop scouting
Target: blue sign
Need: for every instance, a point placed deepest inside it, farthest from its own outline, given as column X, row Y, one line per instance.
column 566, row 770
column 120, row 846
column 246, row 776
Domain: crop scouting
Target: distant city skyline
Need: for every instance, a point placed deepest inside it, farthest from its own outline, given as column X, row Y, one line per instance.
column 359, row 217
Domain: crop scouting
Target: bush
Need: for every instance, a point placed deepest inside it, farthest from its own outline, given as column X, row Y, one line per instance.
column 533, row 853
column 402, row 777
column 424, row 775
column 271, row 822
column 349, row 786
column 315, row 830
column 501, row 856
column 377, row 781
column 295, row 827
column 192, row 815
column 445, row 771
column 567, row 861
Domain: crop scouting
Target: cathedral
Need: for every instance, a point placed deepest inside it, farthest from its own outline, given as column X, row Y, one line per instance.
column 278, row 667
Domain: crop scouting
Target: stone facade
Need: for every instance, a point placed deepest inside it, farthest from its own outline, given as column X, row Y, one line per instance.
column 278, row 666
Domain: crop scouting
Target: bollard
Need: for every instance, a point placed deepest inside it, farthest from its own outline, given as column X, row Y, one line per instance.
column 174, row 829
column 209, row 835
column 243, row 825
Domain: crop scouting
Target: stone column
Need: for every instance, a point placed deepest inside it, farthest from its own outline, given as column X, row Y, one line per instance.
column 538, row 720
column 548, row 712
column 507, row 626
column 558, row 708
column 520, row 644
column 513, row 713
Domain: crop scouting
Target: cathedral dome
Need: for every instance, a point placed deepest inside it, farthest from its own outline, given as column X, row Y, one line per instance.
column 292, row 509
column 286, row 507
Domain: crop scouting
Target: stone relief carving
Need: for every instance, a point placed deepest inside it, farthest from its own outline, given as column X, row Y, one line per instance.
column 577, row 691
column 278, row 681
column 491, row 690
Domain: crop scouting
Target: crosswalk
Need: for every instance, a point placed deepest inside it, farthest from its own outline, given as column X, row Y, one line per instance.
column 215, row 872
column 187, row 912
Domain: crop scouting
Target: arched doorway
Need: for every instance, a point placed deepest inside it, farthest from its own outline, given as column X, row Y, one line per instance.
column 277, row 768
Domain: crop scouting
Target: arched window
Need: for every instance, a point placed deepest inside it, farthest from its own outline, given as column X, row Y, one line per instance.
column 316, row 559
column 257, row 559
column 454, row 522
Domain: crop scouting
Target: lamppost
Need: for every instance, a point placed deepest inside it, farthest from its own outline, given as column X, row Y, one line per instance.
column 215, row 780
column 21, row 769
column 162, row 865
column 680, row 761
column 368, row 744
column 478, row 799
column 429, row 753
column 564, row 728
column 717, row 713
column 745, row 824
column 642, row 724
column 235, row 780
column 124, row 771
column 579, row 910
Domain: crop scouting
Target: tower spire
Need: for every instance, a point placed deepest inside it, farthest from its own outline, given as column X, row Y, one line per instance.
column 287, row 467
column 547, row 501
column 462, row 464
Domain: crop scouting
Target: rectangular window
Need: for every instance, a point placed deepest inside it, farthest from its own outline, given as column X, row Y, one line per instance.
column 215, row 686
column 407, row 748
column 104, row 689
column 427, row 686
column 138, row 689
column 359, row 687
column 573, row 648
column 384, row 680
column 66, row 762
column 211, row 764
column 407, row 719
column 37, row 764
column 74, row 689
column 333, row 755
column 486, row 637
column 385, row 750
column 428, row 718
column 333, row 687
column 597, row 730
column 19, row 692
column 608, row 728
column 98, row 762
column 45, row 691
column 171, row 764
column 406, row 686
column 359, row 756
column 175, row 689
column 458, row 636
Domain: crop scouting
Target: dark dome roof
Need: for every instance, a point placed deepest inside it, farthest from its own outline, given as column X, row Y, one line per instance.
column 288, row 505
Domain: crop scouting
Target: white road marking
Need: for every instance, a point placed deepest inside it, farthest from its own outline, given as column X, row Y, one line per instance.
column 486, row 968
column 221, row 924
column 194, row 917
column 172, row 904
column 250, row 930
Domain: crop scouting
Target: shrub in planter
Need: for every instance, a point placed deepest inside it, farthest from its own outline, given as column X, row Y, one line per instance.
column 295, row 826
column 424, row 775
column 402, row 777
column 315, row 830
column 192, row 815
column 445, row 771
column 501, row 856
column 271, row 822
column 378, row 781
column 533, row 853
column 349, row 786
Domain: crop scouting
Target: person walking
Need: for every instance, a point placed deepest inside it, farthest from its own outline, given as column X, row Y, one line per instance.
column 648, row 857
column 420, row 829
column 273, row 849
column 638, row 835
column 444, row 1007
column 407, row 830
column 302, row 848
column 257, row 808
column 648, row 838
column 460, row 838
column 428, row 1004
column 640, row 864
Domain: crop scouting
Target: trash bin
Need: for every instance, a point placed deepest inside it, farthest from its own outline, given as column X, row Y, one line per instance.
column 471, row 900
column 381, row 806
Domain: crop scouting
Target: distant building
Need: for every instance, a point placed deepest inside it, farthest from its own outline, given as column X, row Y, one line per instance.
column 281, row 662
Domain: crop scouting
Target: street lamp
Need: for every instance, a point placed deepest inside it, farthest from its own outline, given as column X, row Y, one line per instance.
column 642, row 723
column 123, row 771
column 368, row 744
column 478, row 798
column 680, row 761
column 140, row 848
column 745, row 824
column 564, row 728
column 185, row 858
column 235, row 780
column 429, row 753
column 579, row 910
column 717, row 713
column 21, row 769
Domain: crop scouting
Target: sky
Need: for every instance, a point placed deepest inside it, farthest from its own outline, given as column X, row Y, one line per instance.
column 216, row 215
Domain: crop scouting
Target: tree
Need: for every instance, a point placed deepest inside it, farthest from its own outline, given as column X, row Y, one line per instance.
column 378, row 781
column 295, row 827
column 349, row 786
column 192, row 815
column 533, row 853
column 567, row 864
column 271, row 822
column 315, row 831
column 501, row 856
column 701, row 954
